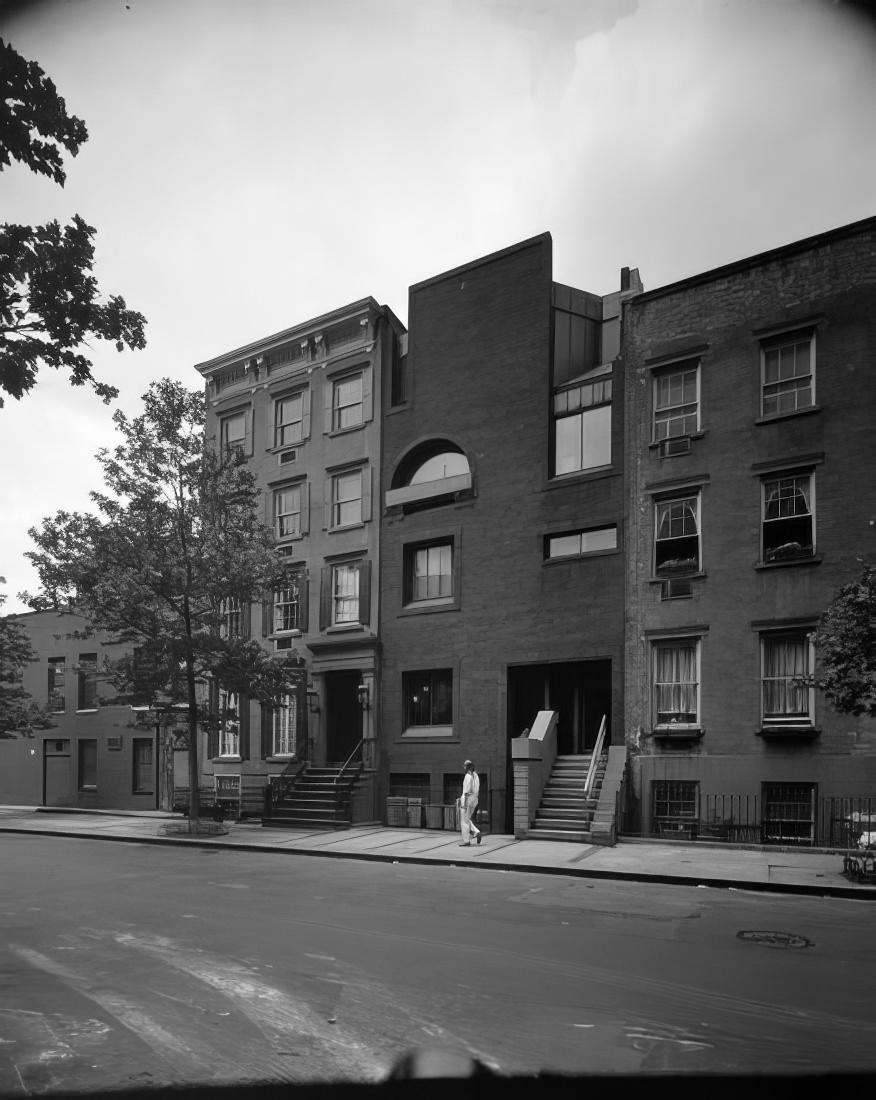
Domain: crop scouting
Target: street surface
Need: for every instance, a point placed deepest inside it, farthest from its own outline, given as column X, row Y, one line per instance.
column 125, row 966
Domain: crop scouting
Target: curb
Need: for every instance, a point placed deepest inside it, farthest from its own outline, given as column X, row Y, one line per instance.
column 707, row 882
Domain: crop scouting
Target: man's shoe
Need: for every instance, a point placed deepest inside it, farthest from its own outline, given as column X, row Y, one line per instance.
column 467, row 844
column 479, row 837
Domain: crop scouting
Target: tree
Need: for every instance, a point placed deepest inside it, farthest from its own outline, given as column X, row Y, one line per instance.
column 846, row 643
column 49, row 303
column 176, row 537
column 18, row 711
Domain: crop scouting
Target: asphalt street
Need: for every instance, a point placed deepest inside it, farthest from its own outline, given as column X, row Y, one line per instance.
column 132, row 965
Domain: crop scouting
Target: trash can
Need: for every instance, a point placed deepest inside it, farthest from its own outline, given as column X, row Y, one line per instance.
column 435, row 817
column 415, row 813
column 451, row 817
column 397, row 812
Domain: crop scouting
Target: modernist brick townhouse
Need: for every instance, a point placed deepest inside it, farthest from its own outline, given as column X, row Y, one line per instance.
column 608, row 521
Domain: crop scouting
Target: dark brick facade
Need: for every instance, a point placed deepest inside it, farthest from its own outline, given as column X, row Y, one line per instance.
column 821, row 288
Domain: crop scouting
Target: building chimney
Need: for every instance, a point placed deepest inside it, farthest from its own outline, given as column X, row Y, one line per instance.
column 625, row 278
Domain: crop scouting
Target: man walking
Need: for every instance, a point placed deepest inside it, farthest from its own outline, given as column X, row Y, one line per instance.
column 468, row 803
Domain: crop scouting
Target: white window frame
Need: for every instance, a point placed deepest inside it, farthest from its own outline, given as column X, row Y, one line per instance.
column 659, row 645
column 282, row 605
column 284, row 726
column 344, row 509
column 284, row 512
column 776, row 345
column 281, row 427
column 340, row 409
column 803, row 638
column 225, row 423
column 661, row 569
column 231, row 618
column 428, row 554
column 229, row 728
column 339, row 598
column 775, row 479
column 675, row 411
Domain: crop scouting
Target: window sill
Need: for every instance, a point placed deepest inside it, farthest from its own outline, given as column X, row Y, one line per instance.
column 345, row 628
column 772, row 417
column 582, row 557
column 285, row 447
column 282, row 758
column 285, row 540
column 662, row 578
column 227, row 759
column 88, row 710
column 428, row 607
column 788, row 733
column 346, row 527
column 677, row 733
column 655, row 443
column 434, row 733
column 346, row 431
column 573, row 476
column 809, row 559
column 88, row 788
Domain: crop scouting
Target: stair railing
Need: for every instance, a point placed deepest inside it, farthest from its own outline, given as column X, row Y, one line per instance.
column 348, row 761
column 597, row 752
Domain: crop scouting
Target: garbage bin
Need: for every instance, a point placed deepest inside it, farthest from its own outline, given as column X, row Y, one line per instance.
column 451, row 817
column 397, row 812
column 435, row 817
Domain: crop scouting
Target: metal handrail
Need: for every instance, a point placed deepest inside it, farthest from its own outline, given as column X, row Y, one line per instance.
column 597, row 752
column 349, row 759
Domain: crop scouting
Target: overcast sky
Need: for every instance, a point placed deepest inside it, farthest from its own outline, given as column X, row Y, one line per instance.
column 255, row 163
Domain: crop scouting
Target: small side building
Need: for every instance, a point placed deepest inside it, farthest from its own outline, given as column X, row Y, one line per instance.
column 95, row 756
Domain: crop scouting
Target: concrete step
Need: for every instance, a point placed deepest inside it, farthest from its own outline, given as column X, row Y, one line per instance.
column 563, row 824
column 580, row 837
column 557, row 814
column 304, row 823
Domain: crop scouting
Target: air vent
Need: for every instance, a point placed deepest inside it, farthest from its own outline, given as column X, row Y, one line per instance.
column 282, row 643
column 287, row 456
column 678, row 446
column 678, row 588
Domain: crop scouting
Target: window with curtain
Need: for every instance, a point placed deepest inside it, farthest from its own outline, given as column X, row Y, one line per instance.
column 677, row 536
column 787, row 667
column 788, row 531
column 676, row 683
column 285, row 726
column 229, row 724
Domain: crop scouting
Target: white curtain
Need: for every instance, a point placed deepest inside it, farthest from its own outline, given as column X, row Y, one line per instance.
column 785, row 663
column 675, row 678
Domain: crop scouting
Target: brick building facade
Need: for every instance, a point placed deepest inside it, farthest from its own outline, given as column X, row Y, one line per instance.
column 750, row 402
column 501, row 560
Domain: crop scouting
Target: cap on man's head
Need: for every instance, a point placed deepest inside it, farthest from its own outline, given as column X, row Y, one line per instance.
column 468, row 764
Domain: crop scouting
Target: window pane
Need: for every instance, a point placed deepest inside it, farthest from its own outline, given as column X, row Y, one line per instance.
column 447, row 464
column 289, row 420
column 348, row 499
column 675, row 683
column 345, row 594
column 348, row 402
column 785, row 672
column 428, row 697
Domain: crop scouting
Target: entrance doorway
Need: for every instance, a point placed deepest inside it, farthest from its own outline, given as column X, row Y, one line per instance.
column 579, row 691
column 56, row 773
column 343, row 714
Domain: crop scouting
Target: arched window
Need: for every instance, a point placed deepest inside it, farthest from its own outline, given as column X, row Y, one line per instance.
column 431, row 473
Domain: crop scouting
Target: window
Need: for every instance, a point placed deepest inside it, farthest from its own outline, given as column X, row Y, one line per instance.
column 580, row 542
column 676, row 682
column 347, row 403
column 287, row 607
column 576, row 343
column 284, row 726
column 231, row 618
column 432, row 474
column 232, row 431
column 346, row 499
column 288, row 507
column 87, row 764
column 289, row 419
column 674, row 799
column 787, row 371
column 429, row 572
column 428, row 698
column 345, row 596
column 676, row 536
column 787, row 663
column 57, row 688
column 582, row 415
column 86, row 677
column 229, row 723
column 144, row 772
column 788, row 529
column 789, row 813
column 676, row 401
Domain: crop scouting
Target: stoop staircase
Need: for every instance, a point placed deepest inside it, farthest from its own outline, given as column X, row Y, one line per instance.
column 317, row 798
column 565, row 811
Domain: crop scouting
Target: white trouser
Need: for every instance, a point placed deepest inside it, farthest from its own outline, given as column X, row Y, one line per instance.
column 466, row 826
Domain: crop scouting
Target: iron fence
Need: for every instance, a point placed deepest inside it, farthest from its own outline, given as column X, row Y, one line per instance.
column 842, row 823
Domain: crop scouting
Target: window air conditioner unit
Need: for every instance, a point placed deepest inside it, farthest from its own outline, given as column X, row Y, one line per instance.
column 680, row 445
column 288, row 456
column 677, row 588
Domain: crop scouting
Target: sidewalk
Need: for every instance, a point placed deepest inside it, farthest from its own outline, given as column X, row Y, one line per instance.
column 781, row 870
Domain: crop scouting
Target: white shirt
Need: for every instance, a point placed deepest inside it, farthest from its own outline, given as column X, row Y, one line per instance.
column 471, row 786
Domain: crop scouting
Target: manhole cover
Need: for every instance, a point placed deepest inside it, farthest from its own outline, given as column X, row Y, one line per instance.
column 775, row 939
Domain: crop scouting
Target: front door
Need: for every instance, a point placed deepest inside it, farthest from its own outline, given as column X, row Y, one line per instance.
column 56, row 773
column 343, row 714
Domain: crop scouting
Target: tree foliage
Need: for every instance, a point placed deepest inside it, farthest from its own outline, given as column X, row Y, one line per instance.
column 49, row 299
column 846, row 643
column 177, row 533
column 18, row 711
